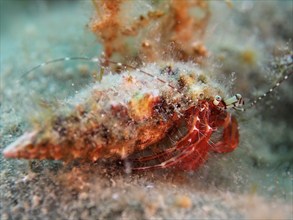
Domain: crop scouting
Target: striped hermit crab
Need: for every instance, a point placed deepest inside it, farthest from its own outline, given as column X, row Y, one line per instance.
column 134, row 111
column 128, row 115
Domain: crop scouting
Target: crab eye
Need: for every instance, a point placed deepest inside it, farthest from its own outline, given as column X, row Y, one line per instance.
column 217, row 100
column 238, row 96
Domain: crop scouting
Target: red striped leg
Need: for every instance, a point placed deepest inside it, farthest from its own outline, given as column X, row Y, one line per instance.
column 192, row 148
column 199, row 154
column 191, row 136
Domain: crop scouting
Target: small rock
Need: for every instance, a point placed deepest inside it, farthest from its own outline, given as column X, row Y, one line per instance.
column 183, row 202
column 36, row 200
column 83, row 196
column 4, row 216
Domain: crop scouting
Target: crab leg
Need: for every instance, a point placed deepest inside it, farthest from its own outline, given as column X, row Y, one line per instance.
column 199, row 155
column 188, row 138
column 196, row 157
column 230, row 138
column 193, row 150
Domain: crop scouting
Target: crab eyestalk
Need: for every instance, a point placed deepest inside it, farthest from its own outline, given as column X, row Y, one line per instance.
column 217, row 100
column 235, row 102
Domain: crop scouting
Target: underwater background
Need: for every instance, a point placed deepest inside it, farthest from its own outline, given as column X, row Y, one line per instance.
column 253, row 182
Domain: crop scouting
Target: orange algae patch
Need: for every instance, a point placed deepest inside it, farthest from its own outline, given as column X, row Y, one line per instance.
column 170, row 29
column 249, row 57
column 141, row 107
column 183, row 202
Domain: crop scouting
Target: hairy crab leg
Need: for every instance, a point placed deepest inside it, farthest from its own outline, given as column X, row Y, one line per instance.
column 175, row 160
column 190, row 150
column 188, row 138
column 196, row 157
column 230, row 138
column 199, row 155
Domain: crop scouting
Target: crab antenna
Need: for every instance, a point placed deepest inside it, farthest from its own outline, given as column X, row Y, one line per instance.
column 258, row 99
column 57, row 61
column 96, row 60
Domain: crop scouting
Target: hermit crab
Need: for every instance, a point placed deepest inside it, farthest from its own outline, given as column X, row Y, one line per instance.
column 131, row 112
column 133, row 115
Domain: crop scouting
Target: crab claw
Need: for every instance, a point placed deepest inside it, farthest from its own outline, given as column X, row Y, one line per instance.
column 230, row 139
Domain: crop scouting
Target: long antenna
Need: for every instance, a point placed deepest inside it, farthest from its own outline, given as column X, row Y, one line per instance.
column 96, row 60
column 57, row 61
column 288, row 63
